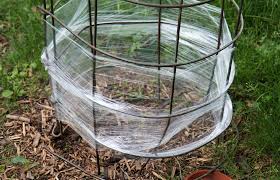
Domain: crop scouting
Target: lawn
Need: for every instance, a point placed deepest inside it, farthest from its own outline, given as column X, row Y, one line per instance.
column 255, row 92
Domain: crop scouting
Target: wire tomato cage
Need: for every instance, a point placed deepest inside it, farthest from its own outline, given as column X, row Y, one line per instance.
column 145, row 78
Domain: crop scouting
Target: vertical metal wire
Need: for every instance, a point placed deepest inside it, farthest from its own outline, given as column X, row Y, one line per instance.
column 93, row 41
column 45, row 23
column 174, row 69
column 58, row 122
column 159, row 48
column 235, row 33
column 220, row 33
column 231, row 61
column 54, row 33
column 176, row 57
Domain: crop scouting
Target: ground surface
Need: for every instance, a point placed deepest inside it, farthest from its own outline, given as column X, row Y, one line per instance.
column 35, row 153
column 23, row 86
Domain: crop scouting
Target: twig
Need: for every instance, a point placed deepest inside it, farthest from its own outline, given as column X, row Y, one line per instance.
column 76, row 166
column 45, row 107
column 143, row 166
column 125, row 173
column 180, row 169
column 14, row 117
column 158, row 176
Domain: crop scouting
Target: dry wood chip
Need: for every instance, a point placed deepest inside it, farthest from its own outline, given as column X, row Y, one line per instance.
column 52, row 171
column 29, row 175
column 61, row 166
column 44, row 119
column 9, row 124
column 127, row 165
column 46, row 107
column 22, row 175
column 110, row 172
column 36, row 139
column 15, row 137
column 46, row 172
column 153, row 165
column 20, row 118
column 194, row 96
column 50, row 148
column 44, row 154
column 128, row 177
column 173, row 172
column 24, row 101
column 115, row 171
column 18, row 149
column 203, row 159
column 158, row 176
column 23, row 129
column 188, row 98
column 93, row 160
column 138, row 165
column 165, row 90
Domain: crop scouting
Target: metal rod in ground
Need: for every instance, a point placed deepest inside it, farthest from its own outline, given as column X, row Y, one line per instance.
column 72, row 164
column 159, row 48
column 144, row 165
column 93, row 41
column 221, row 138
column 174, row 69
column 58, row 126
column 220, row 33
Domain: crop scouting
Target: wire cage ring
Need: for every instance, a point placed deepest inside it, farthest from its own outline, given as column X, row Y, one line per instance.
column 147, row 79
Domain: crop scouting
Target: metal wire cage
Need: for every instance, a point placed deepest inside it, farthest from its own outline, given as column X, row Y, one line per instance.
column 146, row 78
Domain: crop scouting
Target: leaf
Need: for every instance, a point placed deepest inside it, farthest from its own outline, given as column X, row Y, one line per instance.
column 20, row 160
column 7, row 93
column 33, row 65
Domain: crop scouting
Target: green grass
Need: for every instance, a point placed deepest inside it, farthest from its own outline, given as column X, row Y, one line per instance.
column 21, row 73
column 255, row 92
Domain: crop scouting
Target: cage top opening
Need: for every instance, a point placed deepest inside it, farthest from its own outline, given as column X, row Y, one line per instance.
column 148, row 64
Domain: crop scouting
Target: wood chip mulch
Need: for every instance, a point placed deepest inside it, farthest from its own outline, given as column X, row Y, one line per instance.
column 28, row 150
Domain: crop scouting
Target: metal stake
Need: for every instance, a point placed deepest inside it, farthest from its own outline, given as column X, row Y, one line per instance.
column 159, row 48
column 174, row 69
column 93, row 41
column 58, row 126
column 231, row 59
column 218, row 46
column 53, row 24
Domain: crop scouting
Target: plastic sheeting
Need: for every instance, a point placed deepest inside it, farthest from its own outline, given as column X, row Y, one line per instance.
column 129, row 108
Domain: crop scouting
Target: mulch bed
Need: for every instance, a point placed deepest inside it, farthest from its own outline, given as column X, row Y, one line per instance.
column 30, row 151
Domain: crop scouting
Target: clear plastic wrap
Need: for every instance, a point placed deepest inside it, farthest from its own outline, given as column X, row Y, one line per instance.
column 125, row 105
